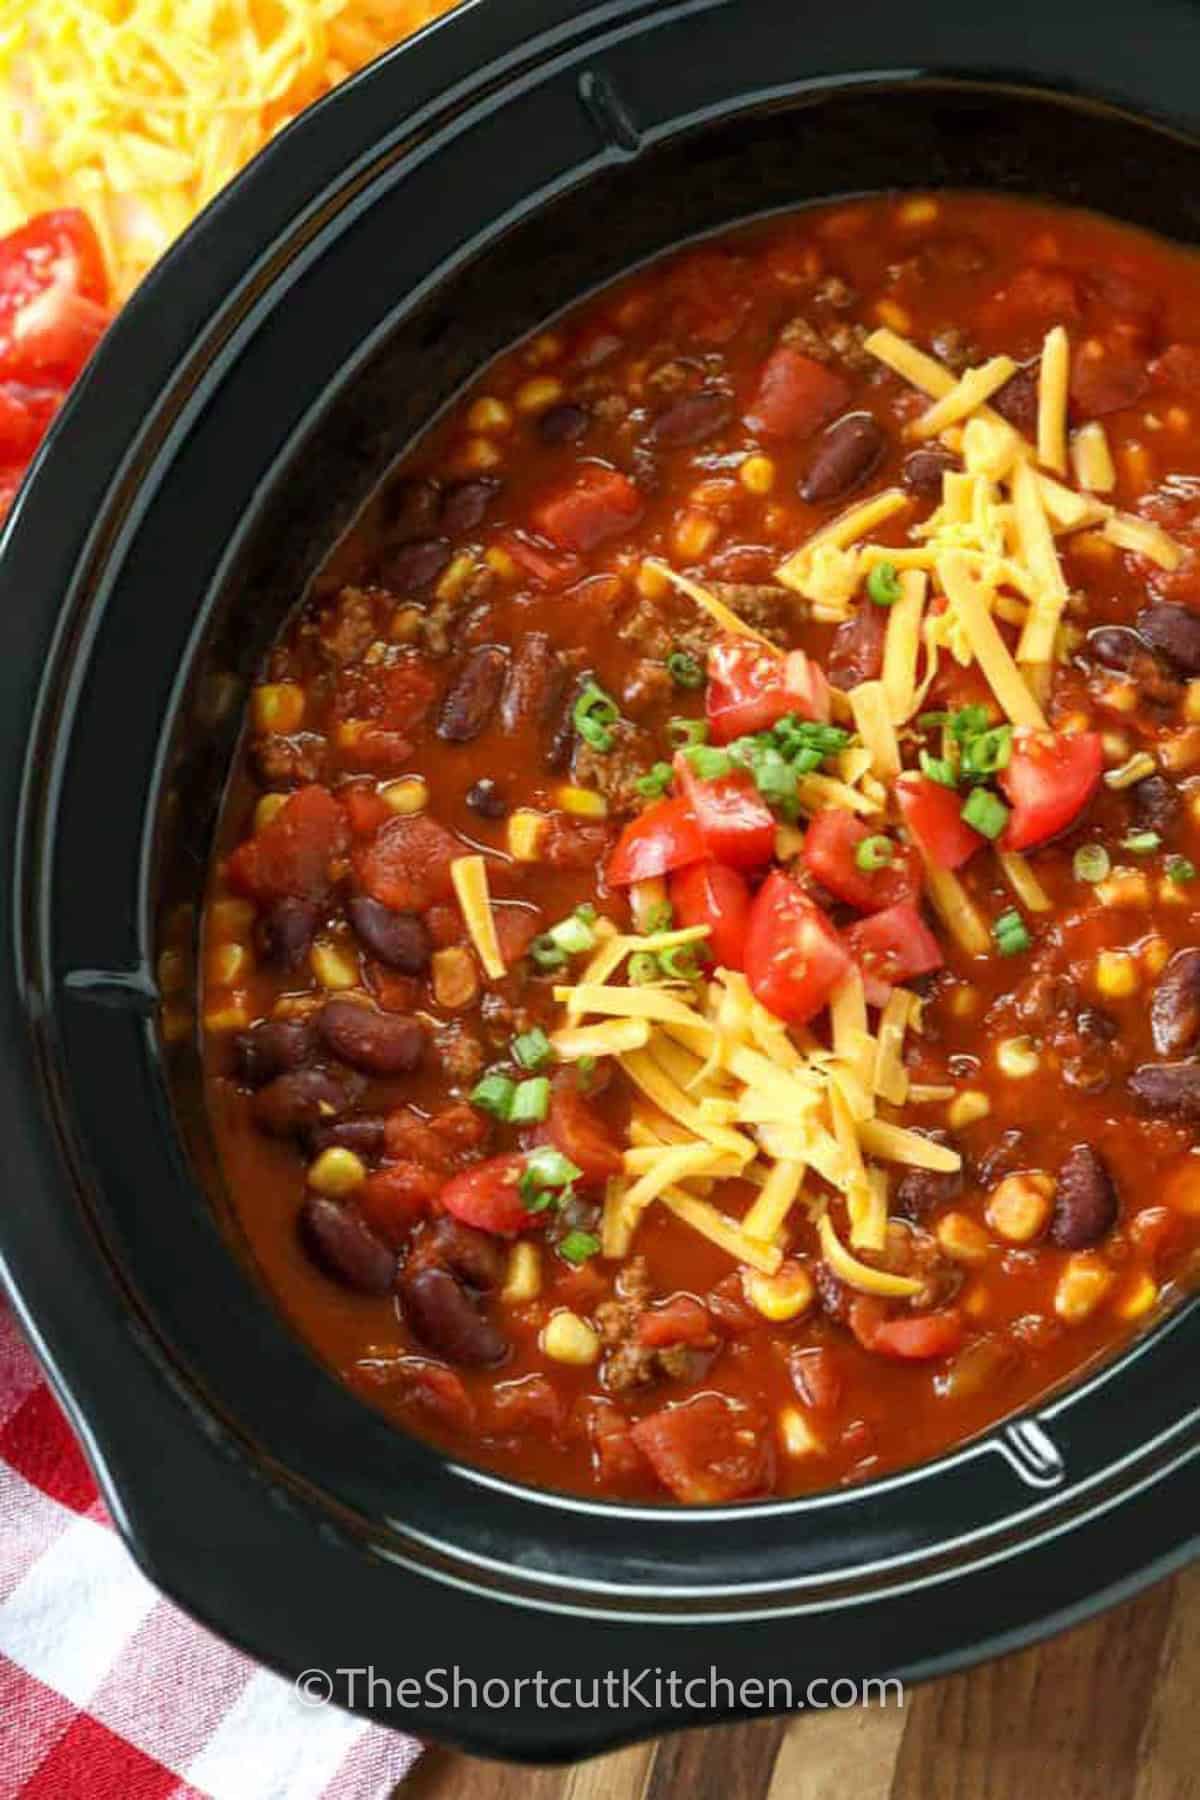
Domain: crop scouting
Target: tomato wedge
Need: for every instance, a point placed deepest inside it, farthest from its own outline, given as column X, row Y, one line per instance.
column 830, row 848
column 734, row 819
column 53, row 291
column 933, row 814
column 1049, row 780
column 576, row 1128
column 750, row 687
column 794, row 957
column 664, row 837
column 795, row 395
column 892, row 946
column 710, row 894
column 488, row 1197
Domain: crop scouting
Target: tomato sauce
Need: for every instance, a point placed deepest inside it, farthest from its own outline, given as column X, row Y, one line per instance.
column 495, row 664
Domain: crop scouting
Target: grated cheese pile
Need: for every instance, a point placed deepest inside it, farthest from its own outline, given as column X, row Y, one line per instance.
column 140, row 111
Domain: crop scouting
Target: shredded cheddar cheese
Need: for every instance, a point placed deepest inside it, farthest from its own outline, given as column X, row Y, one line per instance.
column 1054, row 372
column 469, row 876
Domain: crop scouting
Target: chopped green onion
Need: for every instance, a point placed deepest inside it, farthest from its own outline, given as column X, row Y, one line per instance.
column 679, row 962
column 655, row 782
column 594, row 712
column 585, row 1068
column 987, row 752
column 1010, row 933
column 1091, row 862
column 494, row 1094
column 531, row 1102
column 774, row 776
column 661, row 917
column 874, row 853
column 577, row 1246
column 684, row 669
column 984, row 812
column 938, row 769
column 546, row 953
column 708, row 762
column 546, row 1167
column 572, row 935
column 683, row 732
column 793, row 735
column 1180, row 870
column 969, row 722
column 586, row 911
column 883, row 584
column 533, row 1049
column 1141, row 843
column 930, row 721
column 642, row 968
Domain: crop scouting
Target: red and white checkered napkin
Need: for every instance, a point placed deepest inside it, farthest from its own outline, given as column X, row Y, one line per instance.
column 106, row 1691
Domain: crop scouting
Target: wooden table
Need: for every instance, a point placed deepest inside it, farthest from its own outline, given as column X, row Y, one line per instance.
column 1110, row 1711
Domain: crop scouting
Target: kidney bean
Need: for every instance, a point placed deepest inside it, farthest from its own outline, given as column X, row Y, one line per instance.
column 272, row 1047
column 302, row 1098
column 845, row 455
column 856, row 653
column 465, row 504
column 345, row 1246
column 1085, row 1201
column 378, row 1043
column 363, row 1135
column 410, row 567
column 920, row 1190
column 1156, row 804
column 564, row 424
column 401, row 940
column 1170, row 1089
column 1017, row 400
column 1114, row 646
column 922, row 471
column 411, row 508
column 533, row 679
column 692, row 419
column 473, row 695
column 447, row 1319
column 472, row 1255
column 485, row 798
column 286, row 932
column 1174, row 632
column 1175, row 1007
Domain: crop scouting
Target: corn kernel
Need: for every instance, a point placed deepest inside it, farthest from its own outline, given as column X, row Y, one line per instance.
column 652, row 581
column 336, row 1173
column 230, row 918
column 455, row 978
column 176, row 1024
column 455, row 577
column 1172, row 893
column 757, row 474
column 1081, row 1287
column 501, row 563
column 1154, row 954
column 408, row 795
column 963, row 1238
column 585, row 803
column 976, row 1301
column 967, row 1108
column 234, row 1015
column 1114, row 744
column 172, row 972
column 1094, row 545
column 893, row 315
column 1139, row 1296
column 278, row 706
column 567, row 1338
column 963, row 1000
column 489, row 414
column 1137, row 465
column 545, row 348
column 525, row 828
column 1116, row 974
column 1124, row 887
column 333, row 965
column 267, row 808
column 1018, row 1207
column 227, row 964
column 1017, row 1058
column 1139, row 765
column 1120, row 696
column 920, row 210
column 797, row 1435
column 349, row 732
column 536, row 395
column 476, row 454
column 404, row 626
column 1178, row 418
column 789, row 842
column 646, row 901
column 523, row 1277
column 694, row 535
column 1180, row 750
column 782, row 1296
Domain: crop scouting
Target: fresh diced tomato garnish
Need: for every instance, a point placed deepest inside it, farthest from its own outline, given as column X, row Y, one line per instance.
column 664, row 837
column 25, row 414
column 599, row 503
column 830, row 848
column 1049, row 780
column 576, row 1128
column 407, row 864
column 488, row 1196
column 705, row 1450
column 794, row 957
column 891, row 947
column 795, row 396
column 933, row 814
column 919, row 1338
column 53, row 291
column 734, row 820
column 553, row 569
column 290, row 857
column 710, row 894
column 680, row 1320
column 392, row 1199
column 750, row 688
column 1106, row 375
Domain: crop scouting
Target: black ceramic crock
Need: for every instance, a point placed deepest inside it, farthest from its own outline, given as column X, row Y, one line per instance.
column 238, row 413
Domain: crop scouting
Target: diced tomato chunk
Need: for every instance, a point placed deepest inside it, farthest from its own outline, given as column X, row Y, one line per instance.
column 795, row 395
column 750, row 688
column 733, row 819
column 599, row 503
column 921, row 1337
column 680, row 1320
column 710, row 894
column 366, row 809
column 816, row 1377
column 794, row 957
column 425, row 1391
column 407, row 865
column 1106, row 375
column 392, row 1199
column 552, row 569
column 1050, row 778
column 530, row 1405
column 728, row 1307
column 830, row 848
column 1037, row 294
column 516, row 928
column 615, row 1455
column 488, row 1197
column 1178, row 367
column 576, row 1128
column 706, row 1450
column 933, row 814
column 664, row 837
column 891, row 947
column 290, row 857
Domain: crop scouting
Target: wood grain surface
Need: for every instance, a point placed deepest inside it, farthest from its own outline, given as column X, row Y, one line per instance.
column 1110, row 1711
